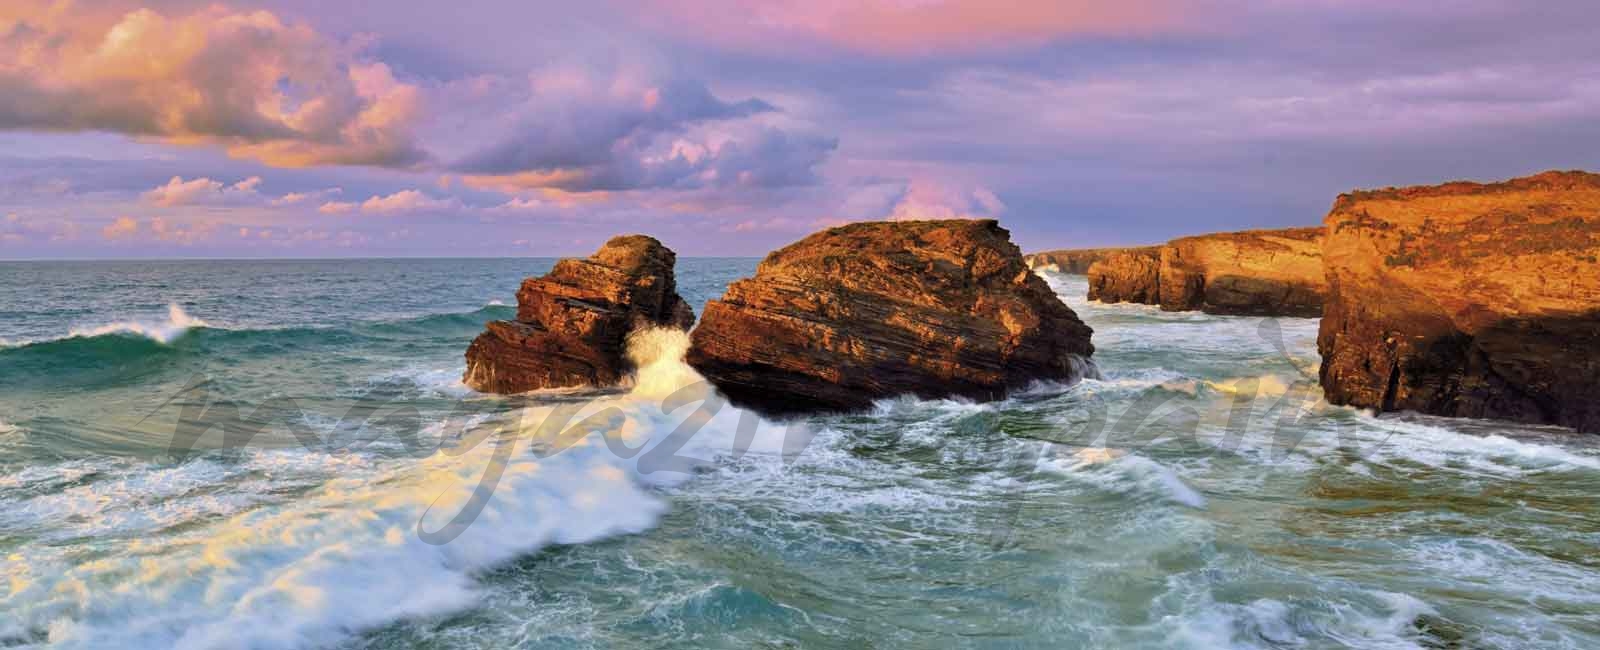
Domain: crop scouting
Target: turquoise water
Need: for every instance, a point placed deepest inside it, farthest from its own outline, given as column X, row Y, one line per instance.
column 1197, row 495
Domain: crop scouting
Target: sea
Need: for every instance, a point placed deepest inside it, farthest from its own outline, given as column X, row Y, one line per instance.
column 280, row 454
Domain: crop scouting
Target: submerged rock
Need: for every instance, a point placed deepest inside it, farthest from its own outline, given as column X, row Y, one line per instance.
column 872, row 310
column 1073, row 260
column 1467, row 299
column 571, row 324
column 1253, row 272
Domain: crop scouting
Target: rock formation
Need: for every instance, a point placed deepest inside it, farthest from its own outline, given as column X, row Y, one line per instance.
column 571, row 323
column 1467, row 300
column 1254, row 272
column 1130, row 275
column 1073, row 260
column 872, row 310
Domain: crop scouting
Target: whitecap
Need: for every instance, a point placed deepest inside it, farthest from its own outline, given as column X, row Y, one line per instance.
column 162, row 331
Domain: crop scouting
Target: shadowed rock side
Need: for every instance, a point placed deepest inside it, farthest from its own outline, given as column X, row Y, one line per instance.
column 571, row 323
column 872, row 310
column 1254, row 272
column 1467, row 300
column 1131, row 275
column 1074, row 260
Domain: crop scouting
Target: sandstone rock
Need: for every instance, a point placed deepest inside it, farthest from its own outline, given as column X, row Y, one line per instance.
column 571, row 323
column 1073, row 260
column 1467, row 300
column 872, row 310
column 1254, row 272
column 1131, row 275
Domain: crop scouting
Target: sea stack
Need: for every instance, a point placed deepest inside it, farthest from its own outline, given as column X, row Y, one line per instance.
column 572, row 323
column 1467, row 299
column 872, row 310
column 1253, row 272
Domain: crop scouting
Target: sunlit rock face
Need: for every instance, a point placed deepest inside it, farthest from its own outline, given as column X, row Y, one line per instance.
column 1254, row 272
column 1075, row 261
column 872, row 310
column 1132, row 275
column 572, row 323
column 1467, row 299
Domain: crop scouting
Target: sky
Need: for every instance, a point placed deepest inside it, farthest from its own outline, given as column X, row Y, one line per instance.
column 301, row 128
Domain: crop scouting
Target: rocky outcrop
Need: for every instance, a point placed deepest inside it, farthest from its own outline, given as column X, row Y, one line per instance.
column 1131, row 275
column 572, row 323
column 872, row 310
column 1254, row 272
column 1467, row 300
column 1074, row 260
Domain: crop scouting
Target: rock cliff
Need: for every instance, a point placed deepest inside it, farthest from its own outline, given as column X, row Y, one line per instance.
column 872, row 310
column 1074, row 260
column 1130, row 275
column 571, row 323
column 1254, row 272
column 1467, row 300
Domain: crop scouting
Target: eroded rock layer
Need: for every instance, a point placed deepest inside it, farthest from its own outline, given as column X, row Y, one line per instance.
column 1130, row 275
column 1467, row 299
column 572, row 323
column 1073, row 260
column 1254, row 272
column 872, row 310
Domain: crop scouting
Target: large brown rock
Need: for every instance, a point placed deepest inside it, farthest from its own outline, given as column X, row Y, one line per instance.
column 1253, row 272
column 572, row 323
column 1073, row 260
column 1467, row 300
column 1131, row 275
column 872, row 310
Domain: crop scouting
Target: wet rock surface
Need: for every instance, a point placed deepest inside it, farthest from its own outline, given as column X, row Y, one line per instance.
column 573, row 322
column 873, row 310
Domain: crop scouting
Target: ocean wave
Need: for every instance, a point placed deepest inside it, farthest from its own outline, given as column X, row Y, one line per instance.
column 301, row 571
column 176, row 324
column 1123, row 473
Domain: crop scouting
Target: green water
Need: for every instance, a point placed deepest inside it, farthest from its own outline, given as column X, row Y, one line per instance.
column 1197, row 495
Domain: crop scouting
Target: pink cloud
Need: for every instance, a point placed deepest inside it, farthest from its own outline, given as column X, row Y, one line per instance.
column 202, row 191
column 121, row 228
column 897, row 27
column 402, row 202
column 249, row 82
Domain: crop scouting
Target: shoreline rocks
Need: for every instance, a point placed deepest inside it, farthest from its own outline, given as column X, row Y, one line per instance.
column 871, row 310
column 1467, row 300
column 1075, row 261
column 1252, row 272
column 1131, row 275
column 572, row 323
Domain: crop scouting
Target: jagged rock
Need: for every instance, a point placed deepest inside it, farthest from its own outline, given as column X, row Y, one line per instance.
column 1132, row 275
column 572, row 323
column 1253, row 272
column 1467, row 299
column 872, row 310
column 1073, row 260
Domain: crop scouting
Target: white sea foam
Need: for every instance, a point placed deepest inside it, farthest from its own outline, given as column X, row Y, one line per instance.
column 352, row 553
column 1119, row 471
column 175, row 325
